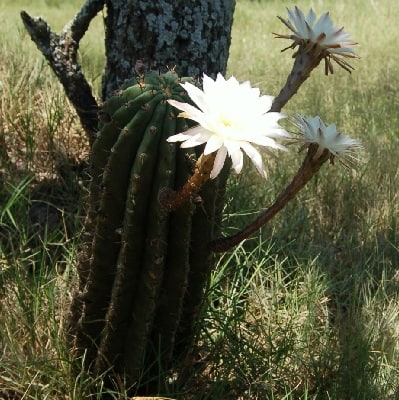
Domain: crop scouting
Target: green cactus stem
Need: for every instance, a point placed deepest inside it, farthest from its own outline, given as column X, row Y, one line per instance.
column 176, row 270
column 142, row 257
column 131, row 251
column 109, row 219
column 155, row 253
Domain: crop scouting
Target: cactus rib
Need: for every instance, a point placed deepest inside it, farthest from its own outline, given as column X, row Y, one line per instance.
column 132, row 239
column 106, row 242
column 175, row 279
column 154, row 254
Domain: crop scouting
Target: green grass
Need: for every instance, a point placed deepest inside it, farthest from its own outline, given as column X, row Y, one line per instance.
column 306, row 309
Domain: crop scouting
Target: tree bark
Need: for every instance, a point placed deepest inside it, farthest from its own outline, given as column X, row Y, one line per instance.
column 192, row 35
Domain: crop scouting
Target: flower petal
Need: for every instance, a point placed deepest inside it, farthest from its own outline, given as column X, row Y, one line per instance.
column 214, row 143
column 235, row 153
column 196, row 94
column 255, row 157
column 219, row 162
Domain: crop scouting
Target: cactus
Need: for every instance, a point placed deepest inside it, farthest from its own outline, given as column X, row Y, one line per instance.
column 143, row 279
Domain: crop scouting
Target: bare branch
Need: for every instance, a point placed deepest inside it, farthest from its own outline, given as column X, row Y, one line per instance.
column 61, row 51
column 80, row 24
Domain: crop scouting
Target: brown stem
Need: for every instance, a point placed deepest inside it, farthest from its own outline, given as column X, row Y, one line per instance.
column 305, row 61
column 172, row 200
column 308, row 168
column 61, row 52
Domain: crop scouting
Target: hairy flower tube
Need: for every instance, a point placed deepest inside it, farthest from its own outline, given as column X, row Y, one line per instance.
column 232, row 118
column 314, row 130
column 330, row 41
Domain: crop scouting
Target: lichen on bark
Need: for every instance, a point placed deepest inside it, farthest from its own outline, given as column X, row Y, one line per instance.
column 193, row 35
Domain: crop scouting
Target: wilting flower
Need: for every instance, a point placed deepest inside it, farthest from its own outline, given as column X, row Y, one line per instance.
column 333, row 42
column 232, row 117
column 327, row 138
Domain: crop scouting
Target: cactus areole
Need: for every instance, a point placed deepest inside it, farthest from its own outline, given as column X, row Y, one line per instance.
column 146, row 267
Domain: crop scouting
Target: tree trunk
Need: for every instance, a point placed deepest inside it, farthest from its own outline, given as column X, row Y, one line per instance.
column 192, row 35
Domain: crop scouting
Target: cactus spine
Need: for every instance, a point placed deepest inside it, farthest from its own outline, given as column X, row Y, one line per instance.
column 143, row 280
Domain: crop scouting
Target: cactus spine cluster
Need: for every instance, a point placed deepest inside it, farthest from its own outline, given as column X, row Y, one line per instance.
column 146, row 268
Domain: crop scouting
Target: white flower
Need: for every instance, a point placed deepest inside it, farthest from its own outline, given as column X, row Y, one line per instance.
column 327, row 138
column 231, row 117
column 334, row 41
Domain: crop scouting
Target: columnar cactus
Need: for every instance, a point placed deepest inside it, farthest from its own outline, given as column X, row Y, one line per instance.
column 146, row 267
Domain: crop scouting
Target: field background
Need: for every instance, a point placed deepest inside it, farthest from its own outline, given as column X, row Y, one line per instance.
column 306, row 309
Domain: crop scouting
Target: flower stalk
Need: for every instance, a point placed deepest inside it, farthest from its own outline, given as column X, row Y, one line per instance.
column 309, row 167
column 172, row 200
column 305, row 62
